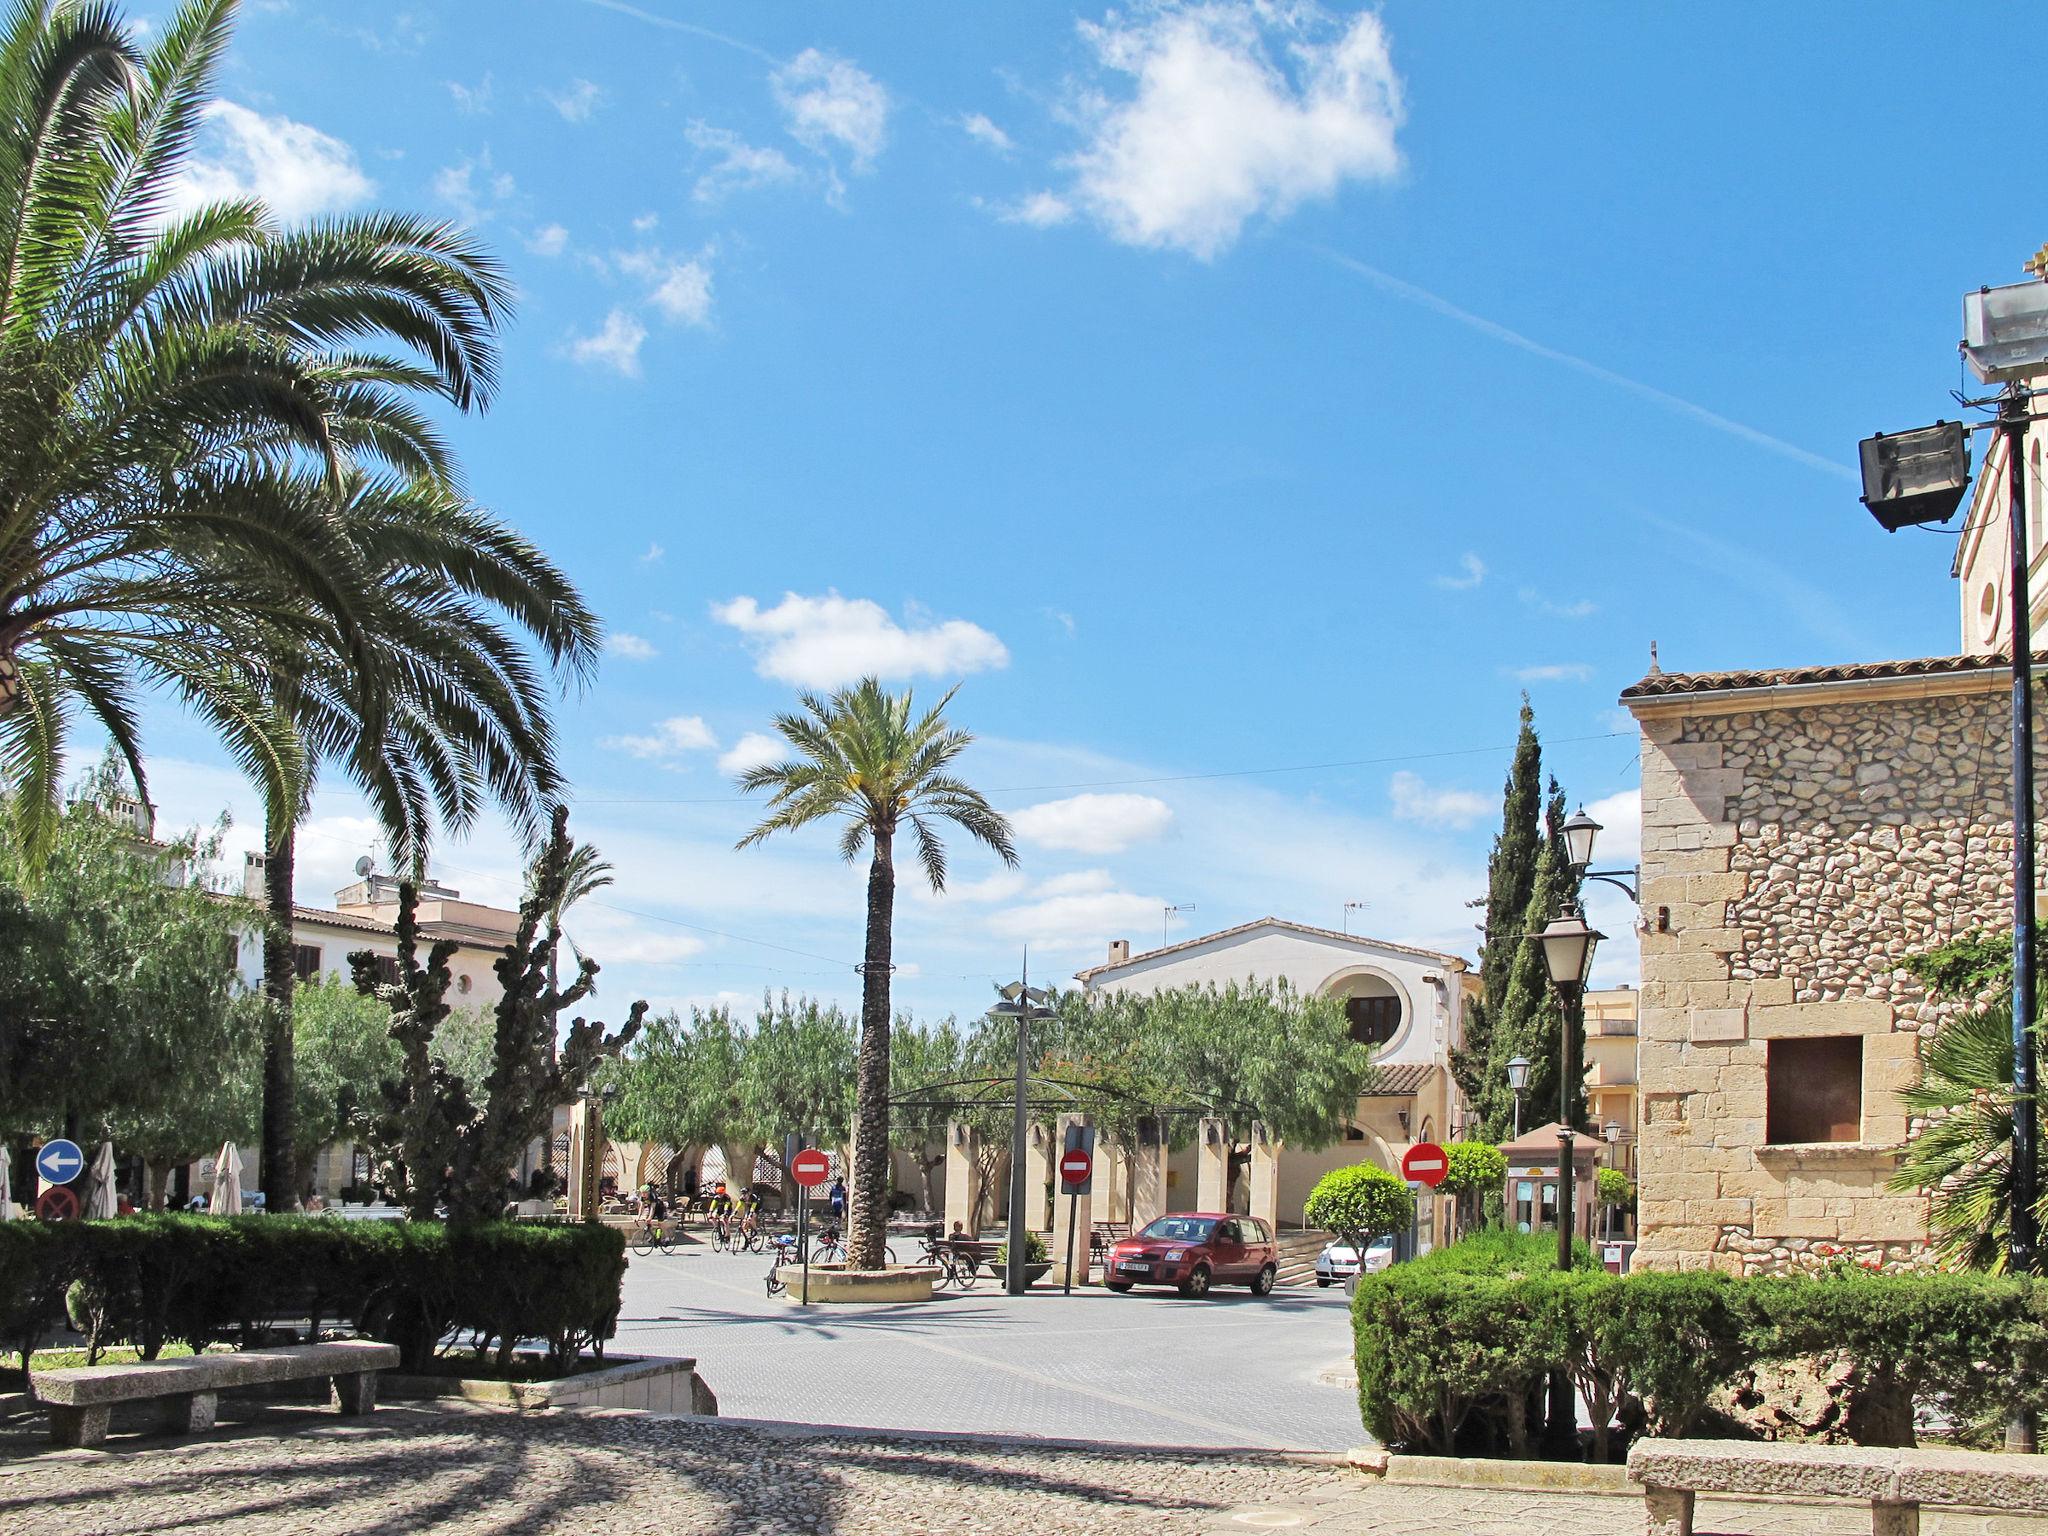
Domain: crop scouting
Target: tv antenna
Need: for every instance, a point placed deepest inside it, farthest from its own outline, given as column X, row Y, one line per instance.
column 1349, row 908
column 1166, row 917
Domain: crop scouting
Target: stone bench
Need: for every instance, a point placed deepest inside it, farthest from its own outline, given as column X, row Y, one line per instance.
column 1894, row 1482
column 81, row 1400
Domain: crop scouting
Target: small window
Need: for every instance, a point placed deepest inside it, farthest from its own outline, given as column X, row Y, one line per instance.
column 306, row 960
column 1374, row 1020
column 1816, row 1091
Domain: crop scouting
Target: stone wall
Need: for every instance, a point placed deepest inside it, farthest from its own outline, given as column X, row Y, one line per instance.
column 1797, row 846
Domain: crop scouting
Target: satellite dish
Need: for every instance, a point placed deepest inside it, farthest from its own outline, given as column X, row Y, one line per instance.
column 363, row 867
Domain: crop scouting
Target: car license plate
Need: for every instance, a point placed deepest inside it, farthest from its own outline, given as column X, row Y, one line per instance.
column 1133, row 1267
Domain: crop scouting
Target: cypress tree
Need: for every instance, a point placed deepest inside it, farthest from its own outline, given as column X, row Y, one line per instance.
column 1480, row 1067
column 1530, row 1022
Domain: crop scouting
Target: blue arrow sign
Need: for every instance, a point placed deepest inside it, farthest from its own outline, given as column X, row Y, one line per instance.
column 59, row 1161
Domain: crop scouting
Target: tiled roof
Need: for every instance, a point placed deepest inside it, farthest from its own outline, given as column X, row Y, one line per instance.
column 1662, row 684
column 1453, row 962
column 1399, row 1080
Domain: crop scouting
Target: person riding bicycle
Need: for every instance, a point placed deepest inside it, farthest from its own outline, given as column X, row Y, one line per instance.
column 722, row 1209
column 656, row 1208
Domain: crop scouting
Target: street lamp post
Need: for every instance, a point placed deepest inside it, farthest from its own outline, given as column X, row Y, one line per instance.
column 1518, row 1079
column 1568, row 956
column 1025, row 1004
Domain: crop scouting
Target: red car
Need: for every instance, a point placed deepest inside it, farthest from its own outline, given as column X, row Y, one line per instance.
column 1193, row 1250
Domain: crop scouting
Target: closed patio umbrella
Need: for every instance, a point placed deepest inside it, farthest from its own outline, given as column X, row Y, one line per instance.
column 227, row 1182
column 6, row 1187
column 100, row 1205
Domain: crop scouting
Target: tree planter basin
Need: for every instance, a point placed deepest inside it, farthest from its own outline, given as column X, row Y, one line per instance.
column 653, row 1383
column 1033, row 1273
column 834, row 1284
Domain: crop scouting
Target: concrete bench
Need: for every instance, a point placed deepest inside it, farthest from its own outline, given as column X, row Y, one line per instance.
column 1894, row 1482
column 81, row 1400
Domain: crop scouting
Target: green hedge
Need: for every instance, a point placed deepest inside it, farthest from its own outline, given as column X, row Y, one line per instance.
column 152, row 1280
column 1454, row 1350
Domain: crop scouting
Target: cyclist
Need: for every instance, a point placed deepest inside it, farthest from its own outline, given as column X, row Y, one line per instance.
column 750, row 1215
column 656, row 1210
column 721, row 1213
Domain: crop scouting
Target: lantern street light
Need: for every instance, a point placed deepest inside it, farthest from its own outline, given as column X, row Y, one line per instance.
column 1025, row 1004
column 1518, row 1079
column 1580, row 831
column 1568, row 955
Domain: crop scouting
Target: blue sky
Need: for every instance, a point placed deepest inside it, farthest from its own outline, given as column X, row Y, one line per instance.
column 1210, row 388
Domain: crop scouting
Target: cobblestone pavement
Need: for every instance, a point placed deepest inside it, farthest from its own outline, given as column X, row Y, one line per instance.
column 1145, row 1368
column 304, row 1474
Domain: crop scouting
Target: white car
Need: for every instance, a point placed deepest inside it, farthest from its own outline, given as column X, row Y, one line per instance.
column 1339, row 1260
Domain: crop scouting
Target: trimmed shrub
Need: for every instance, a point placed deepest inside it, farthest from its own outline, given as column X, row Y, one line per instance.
column 1472, row 1167
column 199, row 1280
column 1361, row 1202
column 1452, row 1348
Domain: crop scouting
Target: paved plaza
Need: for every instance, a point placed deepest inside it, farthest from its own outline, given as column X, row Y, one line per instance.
column 1145, row 1368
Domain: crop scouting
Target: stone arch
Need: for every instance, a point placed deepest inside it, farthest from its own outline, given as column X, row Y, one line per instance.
column 1363, row 980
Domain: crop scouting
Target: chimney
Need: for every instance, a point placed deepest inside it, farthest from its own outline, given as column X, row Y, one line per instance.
column 252, row 876
column 1119, row 951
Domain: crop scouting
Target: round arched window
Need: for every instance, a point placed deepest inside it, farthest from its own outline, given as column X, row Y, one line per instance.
column 1987, row 613
column 1374, row 1019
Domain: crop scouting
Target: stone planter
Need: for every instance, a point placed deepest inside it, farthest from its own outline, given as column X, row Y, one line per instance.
column 654, row 1383
column 834, row 1284
column 1033, row 1273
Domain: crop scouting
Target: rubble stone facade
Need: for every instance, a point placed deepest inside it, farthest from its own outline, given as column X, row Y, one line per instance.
column 1803, row 833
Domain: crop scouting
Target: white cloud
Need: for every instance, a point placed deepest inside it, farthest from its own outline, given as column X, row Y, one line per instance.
column 1473, row 571
column 1094, row 823
column 645, row 223
column 474, row 188
column 980, row 128
column 1620, row 842
column 577, row 102
column 296, row 170
column 616, row 346
column 1040, row 210
column 548, row 240
column 1416, row 801
column 630, row 647
column 684, row 293
column 670, row 738
column 756, row 749
column 1581, row 608
column 822, row 642
column 737, row 167
column 472, row 100
column 654, row 555
column 1553, row 672
column 1072, row 913
column 830, row 102
column 1217, row 131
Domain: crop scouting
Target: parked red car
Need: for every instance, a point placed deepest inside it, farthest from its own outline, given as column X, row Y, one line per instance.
column 1193, row 1250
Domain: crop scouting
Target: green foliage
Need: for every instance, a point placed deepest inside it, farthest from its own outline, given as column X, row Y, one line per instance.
column 1473, row 1168
column 121, row 969
column 342, row 1053
column 1451, row 1346
column 149, row 1281
column 1612, row 1187
column 446, row 1142
column 1034, row 1250
column 1360, row 1203
column 1962, row 1153
column 1973, row 966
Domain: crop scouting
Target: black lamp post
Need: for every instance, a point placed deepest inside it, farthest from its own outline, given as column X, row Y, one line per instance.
column 1568, row 955
column 1025, row 1004
column 1518, row 1079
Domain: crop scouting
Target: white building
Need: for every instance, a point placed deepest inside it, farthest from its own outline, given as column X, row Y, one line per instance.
column 1407, row 1003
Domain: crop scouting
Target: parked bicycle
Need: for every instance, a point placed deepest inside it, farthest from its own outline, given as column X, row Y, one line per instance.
column 956, row 1265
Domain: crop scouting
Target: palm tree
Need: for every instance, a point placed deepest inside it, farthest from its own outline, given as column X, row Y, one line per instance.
column 440, row 709
column 181, row 396
column 1962, row 1156
column 863, row 760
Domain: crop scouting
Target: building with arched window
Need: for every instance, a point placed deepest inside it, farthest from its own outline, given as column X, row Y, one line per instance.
column 1407, row 1003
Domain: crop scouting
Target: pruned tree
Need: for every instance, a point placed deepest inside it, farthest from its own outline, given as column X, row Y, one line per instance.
column 441, row 1141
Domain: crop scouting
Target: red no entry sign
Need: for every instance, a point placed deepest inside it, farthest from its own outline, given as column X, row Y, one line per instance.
column 58, row 1203
column 810, row 1168
column 1426, row 1163
column 1075, row 1166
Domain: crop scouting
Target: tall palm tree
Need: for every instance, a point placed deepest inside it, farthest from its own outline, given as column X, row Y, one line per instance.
column 438, row 711
column 1962, row 1156
column 864, row 760
column 181, row 394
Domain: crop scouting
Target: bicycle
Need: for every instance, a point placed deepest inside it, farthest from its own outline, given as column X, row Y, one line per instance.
column 723, row 1232
column 832, row 1249
column 787, row 1251
column 751, row 1237
column 957, row 1270
column 652, row 1234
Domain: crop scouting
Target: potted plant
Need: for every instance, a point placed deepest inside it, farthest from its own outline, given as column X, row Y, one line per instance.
column 1037, row 1262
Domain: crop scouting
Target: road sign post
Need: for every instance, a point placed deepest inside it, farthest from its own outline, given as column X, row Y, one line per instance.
column 1428, row 1165
column 57, row 1203
column 809, row 1168
column 59, row 1161
column 1075, row 1166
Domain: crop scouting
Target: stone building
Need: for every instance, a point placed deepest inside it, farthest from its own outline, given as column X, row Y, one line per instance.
column 1610, row 1021
column 1804, row 831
